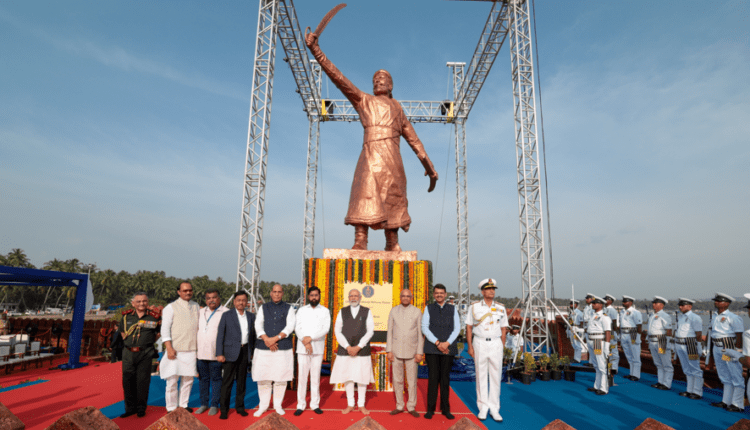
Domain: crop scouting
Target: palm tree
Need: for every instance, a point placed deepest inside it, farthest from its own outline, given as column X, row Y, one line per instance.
column 56, row 265
column 17, row 258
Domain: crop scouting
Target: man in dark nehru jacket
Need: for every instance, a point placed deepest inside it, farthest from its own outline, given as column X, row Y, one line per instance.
column 139, row 329
column 273, row 360
column 440, row 326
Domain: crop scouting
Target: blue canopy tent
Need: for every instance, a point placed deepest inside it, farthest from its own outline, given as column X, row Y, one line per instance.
column 19, row 276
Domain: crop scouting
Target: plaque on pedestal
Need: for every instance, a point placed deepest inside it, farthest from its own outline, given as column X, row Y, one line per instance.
column 379, row 281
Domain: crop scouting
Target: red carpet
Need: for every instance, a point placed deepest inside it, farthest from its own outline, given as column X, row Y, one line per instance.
column 99, row 385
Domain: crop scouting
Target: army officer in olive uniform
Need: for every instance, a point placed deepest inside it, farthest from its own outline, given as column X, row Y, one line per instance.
column 139, row 330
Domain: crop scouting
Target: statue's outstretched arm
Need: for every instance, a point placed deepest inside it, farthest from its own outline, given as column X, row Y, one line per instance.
column 350, row 91
column 410, row 135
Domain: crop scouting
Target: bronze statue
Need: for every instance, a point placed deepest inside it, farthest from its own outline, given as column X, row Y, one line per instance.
column 378, row 195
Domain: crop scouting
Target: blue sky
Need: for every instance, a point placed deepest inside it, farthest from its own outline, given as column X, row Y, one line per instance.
column 123, row 129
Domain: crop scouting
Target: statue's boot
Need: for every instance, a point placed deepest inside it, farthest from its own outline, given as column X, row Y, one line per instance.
column 360, row 237
column 391, row 240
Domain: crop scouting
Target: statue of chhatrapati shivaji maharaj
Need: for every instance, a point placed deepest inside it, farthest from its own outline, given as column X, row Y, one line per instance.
column 378, row 195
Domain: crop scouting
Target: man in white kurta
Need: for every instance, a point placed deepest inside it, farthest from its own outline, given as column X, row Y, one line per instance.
column 273, row 360
column 209, row 369
column 353, row 361
column 313, row 322
column 179, row 332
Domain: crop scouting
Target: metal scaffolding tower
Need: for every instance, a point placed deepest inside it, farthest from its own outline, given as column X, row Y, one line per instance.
column 529, row 182
column 511, row 17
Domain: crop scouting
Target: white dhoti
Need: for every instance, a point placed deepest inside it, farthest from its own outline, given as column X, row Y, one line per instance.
column 183, row 369
column 272, row 368
column 349, row 370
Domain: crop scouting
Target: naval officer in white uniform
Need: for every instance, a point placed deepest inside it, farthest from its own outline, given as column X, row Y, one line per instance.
column 726, row 336
column 486, row 328
column 600, row 334
column 631, row 327
column 687, row 345
column 659, row 332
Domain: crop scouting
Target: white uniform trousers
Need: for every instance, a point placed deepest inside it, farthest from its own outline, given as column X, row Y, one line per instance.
column 308, row 364
column 692, row 370
column 632, row 352
column 410, row 375
column 614, row 357
column 488, row 359
column 186, row 384
column 663, row 363
column 730, row 373
column 600, row 367
column 577, row 346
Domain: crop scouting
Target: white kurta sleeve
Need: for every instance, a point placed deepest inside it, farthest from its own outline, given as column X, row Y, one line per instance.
column 259, row 325
column 167, row 316
column 290, row 319
column 370, row 331
column 325, row 326
column 339, row 335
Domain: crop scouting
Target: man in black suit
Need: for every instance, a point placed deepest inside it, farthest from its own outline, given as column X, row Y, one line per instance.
column 235, row 342
column 115, row 345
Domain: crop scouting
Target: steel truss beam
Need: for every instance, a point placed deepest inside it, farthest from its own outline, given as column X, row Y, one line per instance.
column 417, row 111
column 462, row 197
column 259, row 129
column 529, row 184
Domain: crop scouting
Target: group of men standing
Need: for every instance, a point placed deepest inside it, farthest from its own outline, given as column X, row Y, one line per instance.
column 595, row 329
column 220, row 345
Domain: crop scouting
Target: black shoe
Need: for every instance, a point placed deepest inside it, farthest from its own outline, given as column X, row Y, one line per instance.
column 719, row 405
column 141, row 414
column 592, row 389
column 600, row 393
column 694, row 396
column 127, row 414
column 298, row 412
column 733, row 408
column 318, row 411
column 189, row 410
column 429, row 415
column 241, row 412
column 657, row 385
column 448, row 415
column 223, row 416
column 663, row 387
column 685, row 394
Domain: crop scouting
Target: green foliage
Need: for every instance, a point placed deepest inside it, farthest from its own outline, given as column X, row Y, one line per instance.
column 554, row 361
column 507, row 355
column 543, row 362
column 529, row 364
column 118, row 288
column 565, row 362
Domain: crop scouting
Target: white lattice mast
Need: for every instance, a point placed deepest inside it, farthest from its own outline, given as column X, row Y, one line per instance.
column 254, row 189
column 529, row 180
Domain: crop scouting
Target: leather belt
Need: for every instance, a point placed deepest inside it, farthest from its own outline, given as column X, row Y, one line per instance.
column 723, row 341
column 135, row 348
column 682, row 340
column 628, row 329
column 655, row 337
column 596, row 336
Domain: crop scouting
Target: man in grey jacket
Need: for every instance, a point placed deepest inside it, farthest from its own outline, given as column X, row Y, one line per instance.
column 405, row 349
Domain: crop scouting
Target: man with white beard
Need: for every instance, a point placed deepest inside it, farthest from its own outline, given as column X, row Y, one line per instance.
column 354, row 328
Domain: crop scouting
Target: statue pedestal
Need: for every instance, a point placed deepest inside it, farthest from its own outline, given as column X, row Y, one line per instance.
column 379, row 276
column 366, row 254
